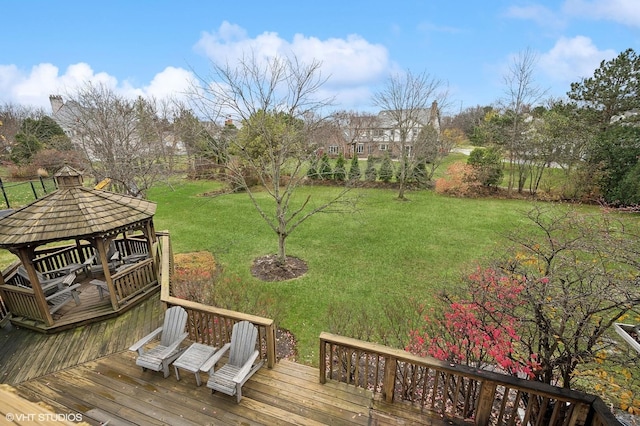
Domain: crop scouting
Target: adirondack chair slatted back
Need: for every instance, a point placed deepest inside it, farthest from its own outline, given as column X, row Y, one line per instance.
column 243, row 342
column 24, row 274
column 175, row 322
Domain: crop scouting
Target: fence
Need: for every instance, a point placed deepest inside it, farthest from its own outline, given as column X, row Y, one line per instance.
column 19, row 194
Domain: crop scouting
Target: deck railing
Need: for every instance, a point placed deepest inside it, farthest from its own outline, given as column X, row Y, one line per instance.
column 211, row 325
column 455, row 391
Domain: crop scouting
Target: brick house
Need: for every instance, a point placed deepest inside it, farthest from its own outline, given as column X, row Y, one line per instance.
column 379, row 134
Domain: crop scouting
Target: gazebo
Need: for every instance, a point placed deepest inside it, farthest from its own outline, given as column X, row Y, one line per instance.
column 85, row 254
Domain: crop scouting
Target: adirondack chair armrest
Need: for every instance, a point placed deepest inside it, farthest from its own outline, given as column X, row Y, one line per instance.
column 71, row 268
column 69, row 290
column 47, row 288
column 211, row 362
column 241, row 375
column 172, row 347
column 146, row 339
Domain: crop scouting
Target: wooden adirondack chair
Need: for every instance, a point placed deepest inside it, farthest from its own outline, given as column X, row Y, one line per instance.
column 230, row 378
column 49, row 285
column 172, row 333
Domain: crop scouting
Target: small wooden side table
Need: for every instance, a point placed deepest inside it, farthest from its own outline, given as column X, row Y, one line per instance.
column 192, row 359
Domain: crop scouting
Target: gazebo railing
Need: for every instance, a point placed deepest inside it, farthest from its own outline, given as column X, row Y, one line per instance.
column 131, row 246
column 53, row 259
column 4, row 312
column 134, row 280
column 17, row 294
column 22, row 301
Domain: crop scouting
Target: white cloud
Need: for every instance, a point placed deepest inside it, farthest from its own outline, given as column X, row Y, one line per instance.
column 171, row 82
column 571, row 59
column 34, row 87
column 350, row 62
column 626, row 12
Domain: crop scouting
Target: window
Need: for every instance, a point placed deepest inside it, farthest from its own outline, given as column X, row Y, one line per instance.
column 384, row 147
column 369, row 149
column 378, row 133
column 333, row 149
column 360, row 148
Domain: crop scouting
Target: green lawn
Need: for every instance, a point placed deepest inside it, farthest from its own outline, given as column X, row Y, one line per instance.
column 381, row 255
column 384, row 253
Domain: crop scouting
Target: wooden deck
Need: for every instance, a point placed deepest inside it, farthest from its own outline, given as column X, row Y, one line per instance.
column 114, row 389
column 88, row 370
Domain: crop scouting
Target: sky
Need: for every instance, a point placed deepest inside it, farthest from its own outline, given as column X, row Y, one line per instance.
column 157, row 48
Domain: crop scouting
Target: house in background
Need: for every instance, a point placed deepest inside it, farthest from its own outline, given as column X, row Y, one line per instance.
column 378, row 135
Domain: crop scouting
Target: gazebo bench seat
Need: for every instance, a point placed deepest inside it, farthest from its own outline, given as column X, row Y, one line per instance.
column 60, row 298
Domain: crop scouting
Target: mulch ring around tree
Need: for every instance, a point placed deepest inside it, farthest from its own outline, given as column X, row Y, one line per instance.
column 267, row 268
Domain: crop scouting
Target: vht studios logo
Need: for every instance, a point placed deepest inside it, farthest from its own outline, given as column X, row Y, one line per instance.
column 42, row 417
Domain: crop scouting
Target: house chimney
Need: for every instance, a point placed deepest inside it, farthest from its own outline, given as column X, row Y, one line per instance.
column 56, row 103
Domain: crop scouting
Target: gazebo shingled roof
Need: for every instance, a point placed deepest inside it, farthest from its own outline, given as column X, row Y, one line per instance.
column 72, row 212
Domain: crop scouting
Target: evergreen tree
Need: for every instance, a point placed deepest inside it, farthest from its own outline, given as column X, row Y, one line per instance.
column 324, row 169
column 27, row 145
column 354, row 170
column 408, row 178
column 312, row 172
column 419, row 172
column 36, row 135
column 613, row 89
column 615, row 153
column 488, row 163
column 386, row 169
column 371, row 174
column 340, row 170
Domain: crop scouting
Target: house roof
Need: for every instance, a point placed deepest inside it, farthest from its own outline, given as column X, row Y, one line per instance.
column 72, row 212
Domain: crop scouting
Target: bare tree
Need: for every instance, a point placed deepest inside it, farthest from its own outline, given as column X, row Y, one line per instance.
column 118, row 135
column 276, row 103
column 521, row 93
column 406, row 101
column 580, row 274
column 355, row 127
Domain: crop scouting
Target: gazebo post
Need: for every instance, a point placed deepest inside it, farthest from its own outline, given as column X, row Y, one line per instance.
column 150, row 236
column 101, row 246
column 81, row 256
column 26, row 254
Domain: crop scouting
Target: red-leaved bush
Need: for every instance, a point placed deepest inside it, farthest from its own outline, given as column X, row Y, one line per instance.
column 481, row 331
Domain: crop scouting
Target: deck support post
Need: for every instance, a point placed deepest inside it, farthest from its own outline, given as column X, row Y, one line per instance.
column 389, row 385
column 485, row 402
